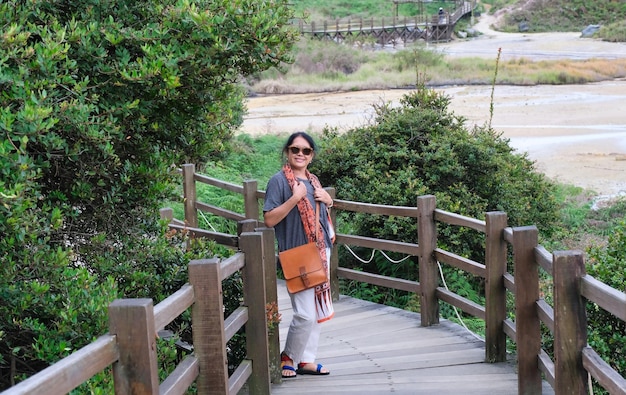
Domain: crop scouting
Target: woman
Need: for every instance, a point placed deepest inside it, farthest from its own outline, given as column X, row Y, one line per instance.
column 290, row 204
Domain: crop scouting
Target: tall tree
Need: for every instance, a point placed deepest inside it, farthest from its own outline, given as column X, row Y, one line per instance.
column 99, row 102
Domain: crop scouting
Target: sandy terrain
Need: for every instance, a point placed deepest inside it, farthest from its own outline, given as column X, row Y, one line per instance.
column 576, row 134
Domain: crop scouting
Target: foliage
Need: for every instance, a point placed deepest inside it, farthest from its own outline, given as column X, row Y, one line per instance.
column 565, row 15
column 613, row 32
column 421, row 148
column 99, row 101
column 607, row 333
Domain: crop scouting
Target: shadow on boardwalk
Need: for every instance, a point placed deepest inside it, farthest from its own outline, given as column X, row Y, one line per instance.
column 376, row 349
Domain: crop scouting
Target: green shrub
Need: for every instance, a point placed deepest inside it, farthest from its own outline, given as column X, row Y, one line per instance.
column 421, row 148
column 607, row 333
column 99, row 102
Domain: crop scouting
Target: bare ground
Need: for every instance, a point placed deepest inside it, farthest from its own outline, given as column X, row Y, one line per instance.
column 576, row 134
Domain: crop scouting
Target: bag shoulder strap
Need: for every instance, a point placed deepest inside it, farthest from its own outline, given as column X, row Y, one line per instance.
column 317, row 218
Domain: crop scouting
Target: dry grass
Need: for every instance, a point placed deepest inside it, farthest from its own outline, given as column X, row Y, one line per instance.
column 350, row 71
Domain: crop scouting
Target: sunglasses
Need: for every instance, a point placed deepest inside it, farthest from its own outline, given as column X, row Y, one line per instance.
column 297, row 150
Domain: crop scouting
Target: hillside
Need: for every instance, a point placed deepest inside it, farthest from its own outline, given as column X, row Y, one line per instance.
column 556, row 15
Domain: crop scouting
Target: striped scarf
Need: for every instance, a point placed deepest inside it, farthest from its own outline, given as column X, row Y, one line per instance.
column 323, row 298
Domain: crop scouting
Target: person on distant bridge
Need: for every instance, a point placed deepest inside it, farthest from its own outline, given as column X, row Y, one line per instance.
column 442, row 16
column 290, row 203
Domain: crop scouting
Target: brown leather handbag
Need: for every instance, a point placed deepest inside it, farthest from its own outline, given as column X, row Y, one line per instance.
column 302, row 266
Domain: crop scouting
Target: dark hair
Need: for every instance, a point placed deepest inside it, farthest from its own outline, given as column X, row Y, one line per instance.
column 304, row 135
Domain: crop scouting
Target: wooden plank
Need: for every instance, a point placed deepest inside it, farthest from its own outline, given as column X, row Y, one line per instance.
column 610, row 299
column 460, row 262
column 218, row 183
column 71, row 371
column 462, row 303
column 570, row 323
column 181, row 378
column 378, row 244
column 603, row 372
column 495, row 290
column 189, row 195
column 376, row 349
column 221, row 212
column 235, row 321
column 527, row 322
column 254, row 298
column 240, row 376
column 207, row 316
column 428, row 273
column 459, row 220
column 379, row 280
column 380, row 209
column 173, row 306
column 132, row 322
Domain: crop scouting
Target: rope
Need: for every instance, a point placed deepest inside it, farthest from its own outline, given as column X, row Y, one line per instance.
column 207, row 221
column 443, row 280
column 372, row 257
column 458, row 316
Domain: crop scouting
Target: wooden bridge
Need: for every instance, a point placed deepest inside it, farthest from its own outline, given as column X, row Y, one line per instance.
column 376, row 349
column 385, row 31
column 370, row 348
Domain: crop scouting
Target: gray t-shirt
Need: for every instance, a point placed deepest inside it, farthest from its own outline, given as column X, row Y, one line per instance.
column 290, row 232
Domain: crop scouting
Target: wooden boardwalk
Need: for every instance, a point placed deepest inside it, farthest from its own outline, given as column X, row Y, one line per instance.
column 376, row 349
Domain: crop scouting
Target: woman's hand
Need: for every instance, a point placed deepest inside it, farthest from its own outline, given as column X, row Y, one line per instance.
column 321, row 195
column 299, row 190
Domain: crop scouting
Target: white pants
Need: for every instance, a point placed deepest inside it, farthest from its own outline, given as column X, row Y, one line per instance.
column 304, row 330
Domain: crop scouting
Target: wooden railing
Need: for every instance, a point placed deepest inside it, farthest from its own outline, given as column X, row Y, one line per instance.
column 130, row 346
column 368, row 26
column 568, row 373
column 574, row 360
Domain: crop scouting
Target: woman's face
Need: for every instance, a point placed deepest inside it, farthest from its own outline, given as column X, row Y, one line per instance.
column 303, row 156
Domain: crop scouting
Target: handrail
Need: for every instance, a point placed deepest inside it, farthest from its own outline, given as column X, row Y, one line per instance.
column 534, row 363
column 134, row 323
column 574, row 360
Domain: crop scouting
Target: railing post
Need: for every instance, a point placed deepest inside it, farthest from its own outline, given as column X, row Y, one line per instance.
column 251, row 244
column 334, row 257
column 427, row 242
column 166, row 213
column 207, row 316
column 248, row 225
column 132, row 322
column 570, row 323
column 527, row 325
column 251, row 203
column 495, row 292
column 271, row 295
column 189, row 195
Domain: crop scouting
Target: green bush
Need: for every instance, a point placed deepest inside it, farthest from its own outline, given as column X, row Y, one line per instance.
column 421, row 148
column 99, row 102
column 607, row 333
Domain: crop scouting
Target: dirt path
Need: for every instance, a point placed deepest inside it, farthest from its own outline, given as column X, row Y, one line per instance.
column 576, row 134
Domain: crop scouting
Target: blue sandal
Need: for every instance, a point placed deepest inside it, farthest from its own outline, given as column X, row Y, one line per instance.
column 316, row 372
column 286, row 366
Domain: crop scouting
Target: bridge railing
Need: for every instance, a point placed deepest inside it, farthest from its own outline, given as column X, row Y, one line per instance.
column 130, row 346
column 574, row 360
column 355, row 25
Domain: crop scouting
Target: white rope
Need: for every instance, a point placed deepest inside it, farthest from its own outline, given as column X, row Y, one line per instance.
column 456, row 312
column 372, row 257
column 359, row 258
column 458, row 316
column 207, row 221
